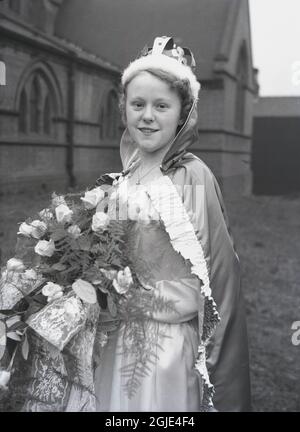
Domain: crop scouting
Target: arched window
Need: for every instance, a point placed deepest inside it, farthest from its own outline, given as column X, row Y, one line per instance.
column 37, row 105
column 47, row 115
column 109, row 122
column 35, row 95
column 242, row 80
column 102, row 123
column 23, row 112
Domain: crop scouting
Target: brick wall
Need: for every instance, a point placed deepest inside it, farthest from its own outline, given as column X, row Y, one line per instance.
column 30, row 161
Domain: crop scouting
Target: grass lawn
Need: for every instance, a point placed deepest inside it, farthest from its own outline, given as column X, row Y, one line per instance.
column 267, row 233
column 267, row 236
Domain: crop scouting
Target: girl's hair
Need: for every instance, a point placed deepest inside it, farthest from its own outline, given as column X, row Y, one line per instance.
column 181, row 86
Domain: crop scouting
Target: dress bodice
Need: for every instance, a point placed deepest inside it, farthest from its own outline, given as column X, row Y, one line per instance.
column 151, row 253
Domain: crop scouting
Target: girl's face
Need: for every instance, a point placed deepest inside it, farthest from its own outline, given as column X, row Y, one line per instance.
column 152, row 113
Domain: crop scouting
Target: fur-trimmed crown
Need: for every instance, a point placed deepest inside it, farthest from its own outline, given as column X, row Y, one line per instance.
column 167, row 56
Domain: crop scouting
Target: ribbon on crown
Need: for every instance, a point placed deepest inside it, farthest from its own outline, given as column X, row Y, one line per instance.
column 166, row 45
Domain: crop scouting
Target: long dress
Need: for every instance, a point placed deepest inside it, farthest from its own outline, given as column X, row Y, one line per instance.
column 171, row 383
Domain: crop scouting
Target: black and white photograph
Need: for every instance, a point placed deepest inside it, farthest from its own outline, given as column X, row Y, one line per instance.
column 149, row 208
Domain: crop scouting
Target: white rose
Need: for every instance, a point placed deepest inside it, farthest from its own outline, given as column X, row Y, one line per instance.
column 30, row 274
column 110, row 274
column 92, row 198
column 39, row 229
column 74, row 230
column 3, row 275
column 58, row 200
column 15, row 264
column 72, row 308
column 56, row 296
column 85, row 291
column 45, row 248
column 46, row 214
column 4, row 378
column 25, row 229
column 52, row 290
column 123, row 281
column 100, row 221
column 63, row 213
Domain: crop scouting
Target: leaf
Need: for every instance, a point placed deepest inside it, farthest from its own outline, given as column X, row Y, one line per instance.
column 40, row 298
column 6, row 311
column 112, row 306
column 33, row 308
column 14, row 336
column 2, row 339
column 20, row 325
column 84, row 243
column 58, row 234
column 95, row 248
column 12, row 320
column 59, row 267
column 85, row 291
column 25, row 347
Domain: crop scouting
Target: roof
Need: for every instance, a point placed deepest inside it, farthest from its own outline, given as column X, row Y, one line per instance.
column 117, row 30
column 277, row 107
column 26, row 32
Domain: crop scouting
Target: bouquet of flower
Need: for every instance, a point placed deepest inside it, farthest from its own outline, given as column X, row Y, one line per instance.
column 66, row 258
column 72, row 255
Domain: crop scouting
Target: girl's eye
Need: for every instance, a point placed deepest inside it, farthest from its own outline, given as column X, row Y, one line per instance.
column 137, row 104
column 162, row 106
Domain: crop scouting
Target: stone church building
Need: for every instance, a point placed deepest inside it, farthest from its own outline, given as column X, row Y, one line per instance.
column 59, row 119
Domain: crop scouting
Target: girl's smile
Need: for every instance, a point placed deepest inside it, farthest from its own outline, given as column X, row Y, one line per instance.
column 147, row 131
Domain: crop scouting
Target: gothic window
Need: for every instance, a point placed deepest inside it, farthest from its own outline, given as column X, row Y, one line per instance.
column 102, row 123
column 35, row 95
column 23, row 112
column 241, row 85
column 37, row 106
column 47, row 115
column 109, row 122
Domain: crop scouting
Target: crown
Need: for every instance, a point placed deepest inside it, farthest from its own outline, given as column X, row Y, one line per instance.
column 167, row 56
column 165, row 45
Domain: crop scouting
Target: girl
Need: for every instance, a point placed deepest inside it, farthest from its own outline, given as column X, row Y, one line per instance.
column 180, row 248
